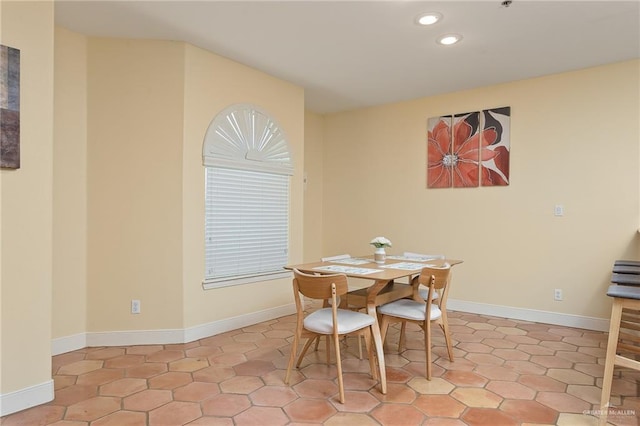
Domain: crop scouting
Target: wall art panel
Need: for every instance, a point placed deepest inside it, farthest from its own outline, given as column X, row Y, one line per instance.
column 9, row 107
column 439, row 173
column 496, row 146
column 466, row 144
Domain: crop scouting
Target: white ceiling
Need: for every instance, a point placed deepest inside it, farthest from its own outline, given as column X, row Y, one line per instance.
column 352, row 54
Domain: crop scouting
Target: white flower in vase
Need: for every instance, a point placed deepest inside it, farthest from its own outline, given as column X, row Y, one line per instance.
column 380, row 243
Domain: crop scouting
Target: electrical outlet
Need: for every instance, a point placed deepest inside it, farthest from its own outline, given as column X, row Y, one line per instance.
column 135, row 306
column 557, row 294
column 558, row 210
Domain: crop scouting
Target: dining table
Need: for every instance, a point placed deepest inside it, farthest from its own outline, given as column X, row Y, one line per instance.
column 383, row 285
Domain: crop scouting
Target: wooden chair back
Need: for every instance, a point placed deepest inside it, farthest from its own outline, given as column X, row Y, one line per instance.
column 436, row 279
column 319, row 286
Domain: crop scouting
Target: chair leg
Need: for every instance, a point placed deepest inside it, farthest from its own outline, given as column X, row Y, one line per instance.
column 402, row 341
column 612, row 345
column 336, row 342
column 304, row 351
column 328, row 348
column 427, row 346
column 292, row 358
column 317, row 340
column 444, row 324
column 369, row 347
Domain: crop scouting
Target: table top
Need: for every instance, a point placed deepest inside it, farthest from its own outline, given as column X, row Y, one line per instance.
column 395, row 266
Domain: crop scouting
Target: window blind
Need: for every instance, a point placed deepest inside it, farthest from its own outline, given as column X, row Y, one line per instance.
column 246, row 223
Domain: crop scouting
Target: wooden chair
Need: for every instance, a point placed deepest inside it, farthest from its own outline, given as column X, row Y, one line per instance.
column 423, row 290
column 624, row 337
column 422, row 311
column 328, row 321
column 327, row 303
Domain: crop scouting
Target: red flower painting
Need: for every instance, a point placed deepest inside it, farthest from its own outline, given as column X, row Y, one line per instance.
column 495, row 170
column 462, row 151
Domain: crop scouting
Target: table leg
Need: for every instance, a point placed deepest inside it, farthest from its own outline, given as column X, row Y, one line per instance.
column 377, row 339
column 372, row 293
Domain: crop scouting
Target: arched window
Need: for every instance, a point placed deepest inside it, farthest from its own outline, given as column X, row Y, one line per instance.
column 248, row 167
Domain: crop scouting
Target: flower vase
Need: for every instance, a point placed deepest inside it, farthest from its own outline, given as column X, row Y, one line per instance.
column 380, row 255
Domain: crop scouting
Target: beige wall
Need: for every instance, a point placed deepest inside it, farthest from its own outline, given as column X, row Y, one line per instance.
column 135, row 129
column 574, row 141
column 313, row 199
column 26, row 206
column 149, row 104
column 213, row 83
column 70, row 185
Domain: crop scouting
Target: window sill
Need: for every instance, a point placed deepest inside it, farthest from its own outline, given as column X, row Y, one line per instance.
column 228, row 282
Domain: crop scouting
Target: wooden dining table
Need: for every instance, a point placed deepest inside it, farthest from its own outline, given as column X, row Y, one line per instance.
column 384, row 287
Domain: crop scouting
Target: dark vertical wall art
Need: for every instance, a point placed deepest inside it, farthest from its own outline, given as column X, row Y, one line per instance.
column 9, row 107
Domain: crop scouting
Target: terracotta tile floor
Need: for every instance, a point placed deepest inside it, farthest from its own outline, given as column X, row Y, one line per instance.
column 506, row 372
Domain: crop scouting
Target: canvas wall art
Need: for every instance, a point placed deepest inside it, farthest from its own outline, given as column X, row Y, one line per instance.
column 469, row 149
column 9, row 107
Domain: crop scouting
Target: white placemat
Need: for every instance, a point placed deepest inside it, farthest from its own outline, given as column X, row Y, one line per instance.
column 347, row 269
column 352, row 261
column 409, row 266
column 414, row 258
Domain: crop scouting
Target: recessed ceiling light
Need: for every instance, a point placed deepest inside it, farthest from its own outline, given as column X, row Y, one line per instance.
column 429, row 18
column 449, row 39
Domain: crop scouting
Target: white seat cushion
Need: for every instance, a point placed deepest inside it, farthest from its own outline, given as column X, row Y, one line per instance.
column 424, row 293
column 330, row 301
column 409, row 309
column 321, row 321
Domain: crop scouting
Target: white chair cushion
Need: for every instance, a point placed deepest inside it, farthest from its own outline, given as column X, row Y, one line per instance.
column 330, row 301
column 321, row 321
column 409, row 309
column 424, row 293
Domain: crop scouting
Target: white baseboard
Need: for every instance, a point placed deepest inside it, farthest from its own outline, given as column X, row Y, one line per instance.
column 22, row 399
column 234, row 323
column 68, row 343
column 168, row 336
column 159, row 337
column 567, row 320
column 135, row 337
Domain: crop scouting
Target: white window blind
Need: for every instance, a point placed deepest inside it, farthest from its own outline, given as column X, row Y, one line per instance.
column 248, row 166
column 247, row 223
